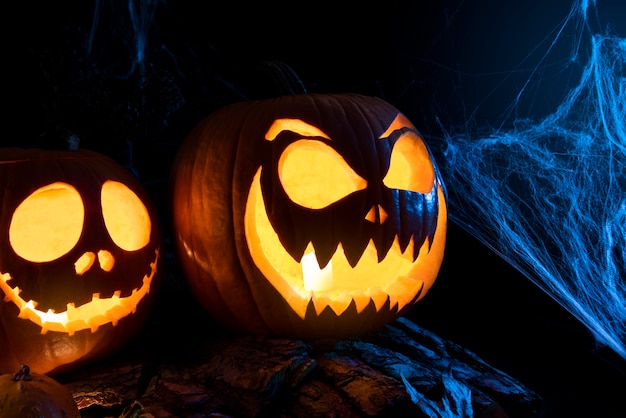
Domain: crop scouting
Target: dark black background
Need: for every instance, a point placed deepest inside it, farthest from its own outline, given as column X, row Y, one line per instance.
column 444, row 64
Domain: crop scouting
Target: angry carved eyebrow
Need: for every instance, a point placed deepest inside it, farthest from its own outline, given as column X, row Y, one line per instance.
column 399, row 122
column 295, row 125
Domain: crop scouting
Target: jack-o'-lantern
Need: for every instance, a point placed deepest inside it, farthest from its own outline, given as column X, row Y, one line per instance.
column 312, row 216
column 80, row 247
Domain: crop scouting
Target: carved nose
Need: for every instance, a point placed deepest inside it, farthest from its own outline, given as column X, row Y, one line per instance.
column 376, row 215
column 86, row 261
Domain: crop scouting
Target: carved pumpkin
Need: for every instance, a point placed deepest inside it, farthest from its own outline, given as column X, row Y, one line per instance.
column 33, row 395
column 313, row 216
column 79, row 252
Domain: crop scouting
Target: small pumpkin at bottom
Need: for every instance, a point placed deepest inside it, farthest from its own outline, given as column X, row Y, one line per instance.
column 29, row 395
column 313, row 216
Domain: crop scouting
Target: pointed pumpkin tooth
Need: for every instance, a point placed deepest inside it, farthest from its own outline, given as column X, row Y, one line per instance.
column 320, row 303
column 353, row 253
column 313, row 300
column 314, row 277
column 393, row 303
column 383, row 247
column 361, row 301
column 323, row 257
column 337, row 304
column 378, row 296
column 404, row 285
column 409, row 252
column 405, row 290
column 340, row 303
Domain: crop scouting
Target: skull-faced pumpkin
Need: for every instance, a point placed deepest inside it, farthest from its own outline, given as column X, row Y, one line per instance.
column 79, row 256
column 312, row 216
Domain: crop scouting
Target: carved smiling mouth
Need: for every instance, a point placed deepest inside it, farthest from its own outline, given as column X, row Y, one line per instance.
column 90, row 315
column 393, row 281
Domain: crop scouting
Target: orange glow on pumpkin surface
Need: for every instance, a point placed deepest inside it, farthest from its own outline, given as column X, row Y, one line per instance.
column 79, row 260
column 316, row 216
column 314, row 176
column 34, row 236
column 91, row 315
column 49, row 222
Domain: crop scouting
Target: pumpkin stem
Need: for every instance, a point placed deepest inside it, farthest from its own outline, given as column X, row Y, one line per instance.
column 284, row 77
column 23, row 374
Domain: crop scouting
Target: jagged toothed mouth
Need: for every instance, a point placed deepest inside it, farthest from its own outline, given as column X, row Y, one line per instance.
column 338, row 285
column 91, row 315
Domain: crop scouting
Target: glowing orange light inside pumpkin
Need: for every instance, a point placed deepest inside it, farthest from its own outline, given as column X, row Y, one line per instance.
column 328, row 179
column 314, row 175
column 125, row 216
column 410, row 168
column 49, row 223
column 90, row 315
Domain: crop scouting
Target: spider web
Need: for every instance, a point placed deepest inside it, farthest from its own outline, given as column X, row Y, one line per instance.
column 549, row 195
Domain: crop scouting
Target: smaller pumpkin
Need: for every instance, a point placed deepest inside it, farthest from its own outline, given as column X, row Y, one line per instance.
column 80, row 246
column 25, row 395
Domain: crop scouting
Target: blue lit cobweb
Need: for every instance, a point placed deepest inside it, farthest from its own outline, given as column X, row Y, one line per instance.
column 549, row 195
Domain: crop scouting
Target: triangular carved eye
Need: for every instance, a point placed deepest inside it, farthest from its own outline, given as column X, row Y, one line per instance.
column 125, row 216
column 314, row 175
column 410, row 166
column 48, row 223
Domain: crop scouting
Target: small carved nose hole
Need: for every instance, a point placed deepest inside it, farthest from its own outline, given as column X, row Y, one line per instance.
column 84, row 262
column 376, row 214
column 106, row 260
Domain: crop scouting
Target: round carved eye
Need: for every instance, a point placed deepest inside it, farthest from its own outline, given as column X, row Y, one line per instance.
column 314, row 175
column 48, row 223
column 410, row 167
column 125, row 216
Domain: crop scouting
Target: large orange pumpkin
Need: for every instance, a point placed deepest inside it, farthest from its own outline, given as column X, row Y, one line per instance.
column 80, row 245
column 311, row 216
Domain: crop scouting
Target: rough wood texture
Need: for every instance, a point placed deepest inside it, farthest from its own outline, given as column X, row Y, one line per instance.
column 402, row 370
